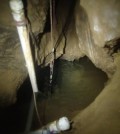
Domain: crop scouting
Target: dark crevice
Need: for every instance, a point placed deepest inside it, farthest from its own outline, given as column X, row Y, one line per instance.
column 113, row 46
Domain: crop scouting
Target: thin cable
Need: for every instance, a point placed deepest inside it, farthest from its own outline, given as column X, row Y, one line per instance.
column 34, row 95
column 36, row 109
column 51, row 21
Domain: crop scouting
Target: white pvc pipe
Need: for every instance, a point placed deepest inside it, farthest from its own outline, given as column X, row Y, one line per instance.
column 19, row 17
column 55, row 127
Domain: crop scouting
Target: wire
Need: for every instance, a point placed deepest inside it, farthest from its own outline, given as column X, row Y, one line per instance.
column 36, row 109
column 51, row 21
column 34, row 95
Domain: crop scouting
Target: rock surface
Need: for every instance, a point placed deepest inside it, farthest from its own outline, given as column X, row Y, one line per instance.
column 103, row 115
column 13, row 70
column 12, row 66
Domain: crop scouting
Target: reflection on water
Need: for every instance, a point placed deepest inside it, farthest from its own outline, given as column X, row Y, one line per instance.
column 75, row 85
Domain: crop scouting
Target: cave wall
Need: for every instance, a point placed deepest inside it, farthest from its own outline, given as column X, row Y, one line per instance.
column 103, row 115
column 13, row 69
column 75, row 34
column 95, row 52
column 65, row 40
column 104, row 19
column 12, row 66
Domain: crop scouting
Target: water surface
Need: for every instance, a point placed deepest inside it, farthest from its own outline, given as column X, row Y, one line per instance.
column 77, row 84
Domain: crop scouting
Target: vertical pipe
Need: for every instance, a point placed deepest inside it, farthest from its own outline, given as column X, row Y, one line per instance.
column 19, row 17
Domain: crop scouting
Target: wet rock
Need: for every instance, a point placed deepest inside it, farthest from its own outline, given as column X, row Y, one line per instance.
column 97, row 54
column 102, row 116
column 104, row 19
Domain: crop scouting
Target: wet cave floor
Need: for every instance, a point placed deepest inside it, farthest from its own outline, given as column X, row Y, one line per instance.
column 75, row 85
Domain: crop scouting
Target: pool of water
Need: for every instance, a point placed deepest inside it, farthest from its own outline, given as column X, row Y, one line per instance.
column 75, row 85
